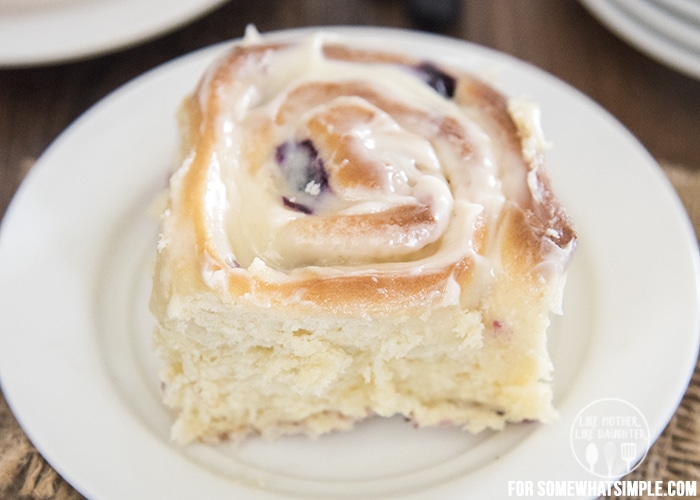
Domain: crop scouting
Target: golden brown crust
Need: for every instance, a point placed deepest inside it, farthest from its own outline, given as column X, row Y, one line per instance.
column 541, row 214
column 331, row 130
column 339, row 295
column 403, row 226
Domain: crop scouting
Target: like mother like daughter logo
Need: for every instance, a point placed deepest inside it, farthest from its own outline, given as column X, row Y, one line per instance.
column 610, row 437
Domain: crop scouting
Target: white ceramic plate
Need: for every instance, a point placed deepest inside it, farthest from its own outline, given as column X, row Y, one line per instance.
column 44, row 31
column 77, row 369
column 666, row 30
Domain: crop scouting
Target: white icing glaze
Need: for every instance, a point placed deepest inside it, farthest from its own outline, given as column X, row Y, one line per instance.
column 406, row 161
column 253, row 215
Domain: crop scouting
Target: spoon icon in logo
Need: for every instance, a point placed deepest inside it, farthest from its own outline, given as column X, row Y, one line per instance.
column 591, row 455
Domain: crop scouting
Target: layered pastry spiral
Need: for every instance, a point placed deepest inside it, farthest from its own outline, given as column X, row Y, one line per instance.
column 381, row 213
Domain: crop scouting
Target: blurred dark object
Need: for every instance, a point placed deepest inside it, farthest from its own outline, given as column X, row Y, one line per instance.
column 434, row 15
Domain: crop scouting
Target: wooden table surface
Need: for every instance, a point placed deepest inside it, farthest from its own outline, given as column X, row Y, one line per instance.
column 658, row 105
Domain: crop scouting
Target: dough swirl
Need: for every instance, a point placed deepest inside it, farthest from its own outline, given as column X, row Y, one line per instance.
column 317, row 166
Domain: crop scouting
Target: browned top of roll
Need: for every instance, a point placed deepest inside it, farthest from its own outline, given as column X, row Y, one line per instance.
column 317, row 174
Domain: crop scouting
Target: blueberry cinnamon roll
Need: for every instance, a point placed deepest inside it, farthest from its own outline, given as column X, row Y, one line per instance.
column 355, row 233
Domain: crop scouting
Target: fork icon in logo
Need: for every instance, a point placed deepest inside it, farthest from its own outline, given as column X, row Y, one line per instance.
column 628, row 452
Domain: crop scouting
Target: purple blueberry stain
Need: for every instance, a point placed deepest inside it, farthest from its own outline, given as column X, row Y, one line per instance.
column 303, row 172
column 231, row 261
column 296, row 206
column 443, row 83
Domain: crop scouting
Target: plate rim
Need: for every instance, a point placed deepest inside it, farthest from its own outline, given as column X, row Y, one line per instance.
column 645, row 38
column 25, row 40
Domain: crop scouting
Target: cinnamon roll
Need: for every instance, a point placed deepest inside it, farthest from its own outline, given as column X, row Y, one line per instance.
column 355, row 233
